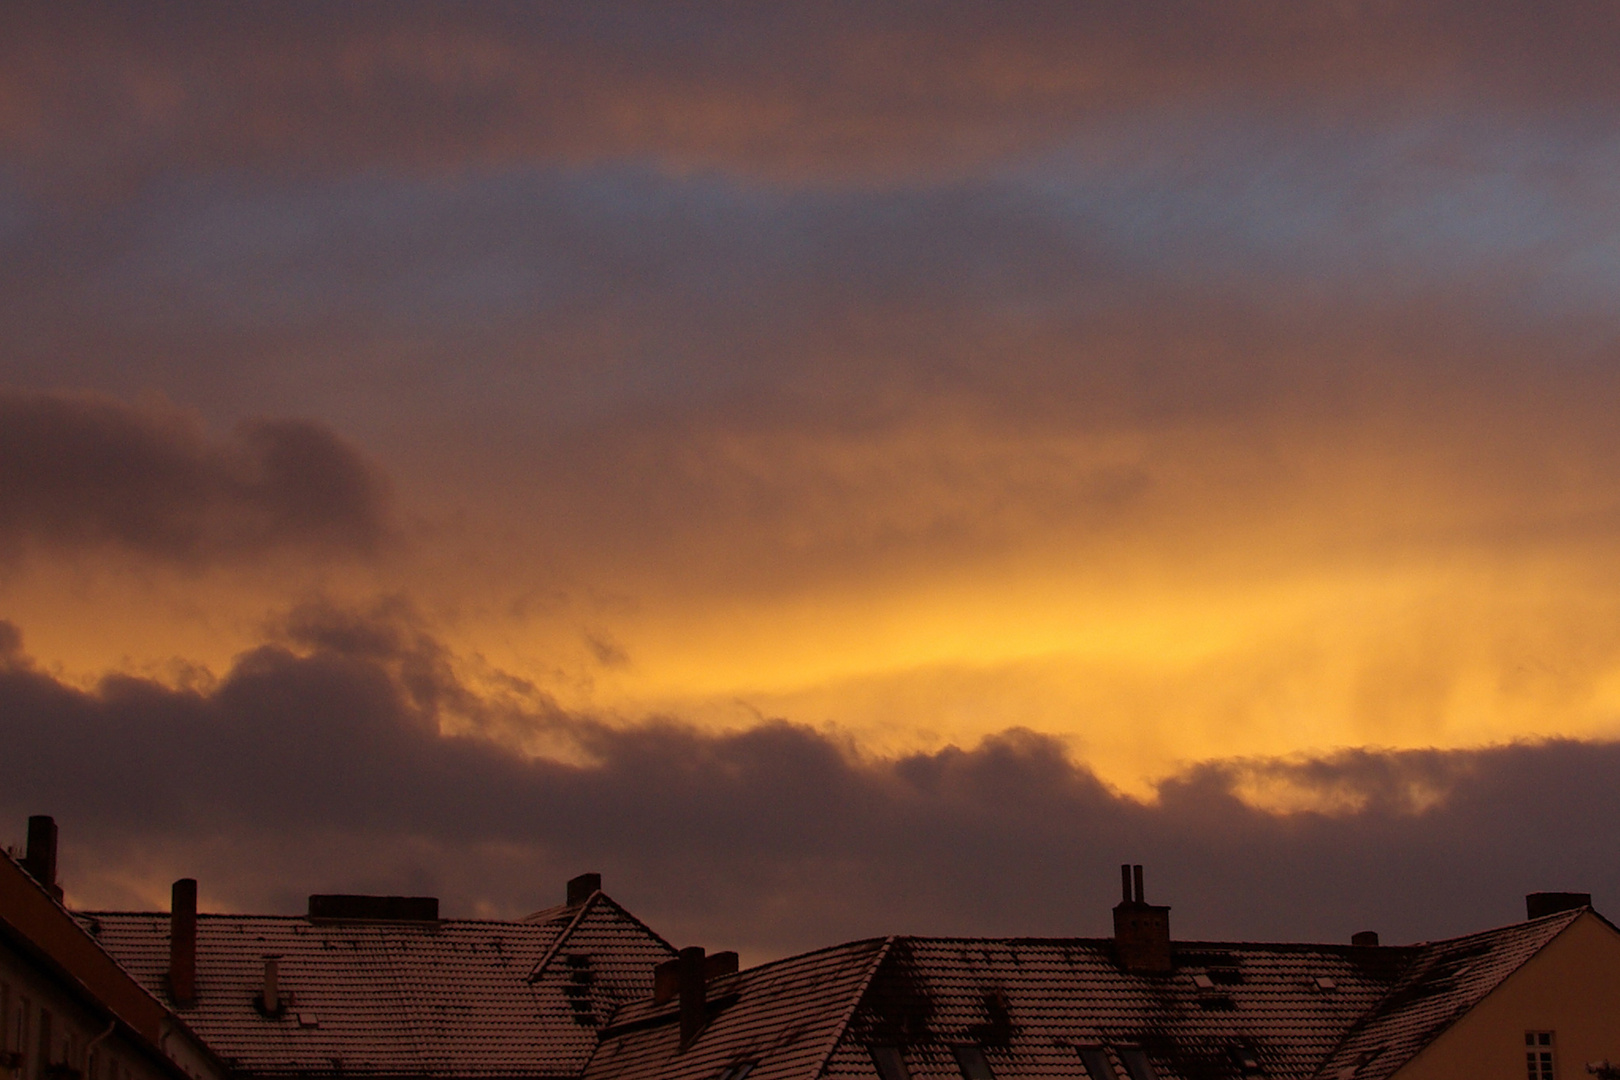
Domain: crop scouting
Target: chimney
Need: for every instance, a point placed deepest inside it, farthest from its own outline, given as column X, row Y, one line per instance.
column 183, row 943
column 693, row 993
column 1366, row 939
column 580, row 889
column 666, row 981
column 1141, row 930
column 1538, row 904
column 718, row 965
column 40, row 861
column 270, row 994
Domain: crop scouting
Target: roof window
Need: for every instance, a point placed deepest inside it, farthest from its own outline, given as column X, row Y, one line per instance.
column 1095, row 1059
column 1325, row 984
column 1137, row 1063
column 973, row 1063
column 1203, row 982
column 738, row 1071
column 890, row 1062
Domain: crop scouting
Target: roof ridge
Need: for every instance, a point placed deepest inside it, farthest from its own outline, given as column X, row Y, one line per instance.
column 539, row 968
column 1567, row 915
column 1411, row 976
column 622, row 910
column 855, row 1000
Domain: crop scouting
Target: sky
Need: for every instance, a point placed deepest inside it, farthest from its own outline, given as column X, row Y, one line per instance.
column 834, row 468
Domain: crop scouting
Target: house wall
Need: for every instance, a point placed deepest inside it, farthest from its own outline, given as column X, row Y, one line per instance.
column 48, row 1034
column 1571, row 987
column 59, row 992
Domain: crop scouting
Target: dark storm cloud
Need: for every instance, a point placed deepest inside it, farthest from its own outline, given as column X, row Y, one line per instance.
column 326, row 753
column 113, row 92
column 86, row 472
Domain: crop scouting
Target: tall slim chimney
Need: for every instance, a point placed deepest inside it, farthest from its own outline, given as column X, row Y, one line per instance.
column 694, row 992
column 270, row 991
column 40, row 860
column 183, row 943
column 1141, row 929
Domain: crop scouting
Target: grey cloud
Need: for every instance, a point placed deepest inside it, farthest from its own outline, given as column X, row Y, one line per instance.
column 83, row 472
column 843, row 88
column 323, row 767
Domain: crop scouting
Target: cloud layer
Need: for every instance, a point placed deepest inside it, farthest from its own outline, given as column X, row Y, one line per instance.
column 327, row 754
column 1036, row 394
column 81, row 472
column 830, row 88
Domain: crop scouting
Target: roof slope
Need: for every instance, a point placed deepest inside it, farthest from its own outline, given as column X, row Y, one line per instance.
column 1026, row 1003
column 1444, row 980
column 455, row 997
column 785, row 1016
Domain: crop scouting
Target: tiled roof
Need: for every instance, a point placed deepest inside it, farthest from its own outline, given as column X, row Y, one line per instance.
column 785, row 1016
column 444, row 998
column 1026, row 1003
column 1443, row 981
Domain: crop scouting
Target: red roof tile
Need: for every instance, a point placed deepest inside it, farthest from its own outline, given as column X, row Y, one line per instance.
column 447, row 998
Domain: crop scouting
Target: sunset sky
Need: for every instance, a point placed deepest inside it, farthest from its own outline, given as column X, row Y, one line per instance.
column 834, row 468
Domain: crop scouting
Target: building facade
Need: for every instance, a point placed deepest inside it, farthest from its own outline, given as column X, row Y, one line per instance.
column 68, row 1011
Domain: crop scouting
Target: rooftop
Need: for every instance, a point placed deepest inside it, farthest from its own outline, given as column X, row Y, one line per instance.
column 405, row 996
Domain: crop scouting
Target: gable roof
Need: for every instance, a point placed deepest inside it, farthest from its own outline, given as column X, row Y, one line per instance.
column 1026, row 1003
column 784, row 1016
column 442, row 998
column 1444, row 980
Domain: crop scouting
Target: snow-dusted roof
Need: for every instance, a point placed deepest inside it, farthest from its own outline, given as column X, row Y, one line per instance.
column 785, row 1016
column 438, row 998
column 1029, row 1004
column 1444, row 980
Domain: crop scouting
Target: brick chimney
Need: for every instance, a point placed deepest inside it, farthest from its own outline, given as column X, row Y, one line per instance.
column 1141, row 930
column 1538, row 904
column 582, row 888
column 40, row 859
column 183, row 943
column 693, row 991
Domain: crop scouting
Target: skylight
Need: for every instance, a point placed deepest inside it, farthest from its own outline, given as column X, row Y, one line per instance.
column 973, row 1063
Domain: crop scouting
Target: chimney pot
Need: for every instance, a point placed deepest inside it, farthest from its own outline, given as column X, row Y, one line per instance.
column 270, row 995
column 1136, row 872
column 1365, row 938
column 581, row 888
column 1539, row 904
column 40, row 859
column 1125, row 883
column 183, row 943
column 694, row 994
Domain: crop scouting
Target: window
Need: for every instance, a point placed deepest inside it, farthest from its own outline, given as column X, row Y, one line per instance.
column 1137, row 1063
column 1538, row 1056
column 890, row 1062
column 18, row 1039
column 739, row 1071
column 1098, row 1067
column 42, row 1060
column 972, row 1062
